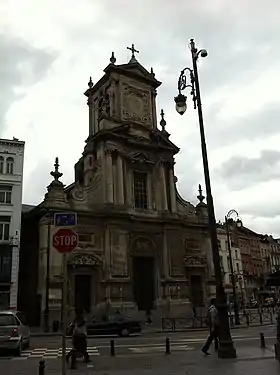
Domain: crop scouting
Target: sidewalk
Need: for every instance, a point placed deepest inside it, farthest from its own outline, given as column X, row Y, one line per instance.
column 250, row 360
column 38, row 332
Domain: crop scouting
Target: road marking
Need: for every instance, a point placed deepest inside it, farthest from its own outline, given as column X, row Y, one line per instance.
column 160, row 349
column 46, row 353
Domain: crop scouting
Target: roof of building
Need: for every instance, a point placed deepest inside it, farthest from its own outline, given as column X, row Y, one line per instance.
column 27, row 207
column 14, row 141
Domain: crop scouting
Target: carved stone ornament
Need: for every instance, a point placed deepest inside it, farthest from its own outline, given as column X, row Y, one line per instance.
column 143, row 246
column 78, row 194
column 136, row 104
column 85, row 260
column 141, row 158
column 195, row 261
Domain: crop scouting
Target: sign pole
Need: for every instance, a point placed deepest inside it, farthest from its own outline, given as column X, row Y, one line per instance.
column 64, row 313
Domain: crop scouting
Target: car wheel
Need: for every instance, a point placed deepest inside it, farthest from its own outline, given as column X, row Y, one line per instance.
column 124, row 332
column 27, row 345
column 18, row 349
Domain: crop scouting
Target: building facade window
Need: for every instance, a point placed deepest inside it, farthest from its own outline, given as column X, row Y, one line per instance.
column 5, row 228
column 10, row 165
column 140, row 190
column 5, row 194
column 1, row 164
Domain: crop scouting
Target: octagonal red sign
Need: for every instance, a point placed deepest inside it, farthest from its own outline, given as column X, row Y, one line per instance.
column 65, row 240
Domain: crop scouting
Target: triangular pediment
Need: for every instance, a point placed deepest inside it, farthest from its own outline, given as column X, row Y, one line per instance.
column 143, row 134
column 134, row 69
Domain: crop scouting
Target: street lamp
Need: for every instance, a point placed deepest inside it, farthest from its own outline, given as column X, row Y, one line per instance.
column 233, row 283
column 226, row 348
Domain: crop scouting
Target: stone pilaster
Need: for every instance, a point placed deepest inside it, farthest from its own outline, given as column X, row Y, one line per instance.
column 165, row 260
column 109, row 177
column 120, row 175
column 163, row 189
column 107, row 254
column 129, row 186
column 172, row 191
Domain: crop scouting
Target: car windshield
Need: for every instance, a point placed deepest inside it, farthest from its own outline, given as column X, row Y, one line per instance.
column 7, row 320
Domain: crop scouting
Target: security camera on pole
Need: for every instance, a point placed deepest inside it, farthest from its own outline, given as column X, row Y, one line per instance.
column 65, row 240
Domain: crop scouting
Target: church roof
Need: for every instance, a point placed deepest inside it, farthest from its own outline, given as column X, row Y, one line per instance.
column 131, row 69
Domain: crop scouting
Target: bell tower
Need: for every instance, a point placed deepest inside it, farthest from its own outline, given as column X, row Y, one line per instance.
column 127, row 161
column 126, row 93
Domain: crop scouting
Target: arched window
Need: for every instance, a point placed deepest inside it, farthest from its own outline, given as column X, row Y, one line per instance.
column 1, row 164
column 10, row 166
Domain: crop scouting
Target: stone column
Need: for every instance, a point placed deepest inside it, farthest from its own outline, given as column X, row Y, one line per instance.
column 109, row 178
column 129, row 187
column 107, row 253
column 120, row 187
column 91, row 114
column 163, row 190
column 154, row 112
column 172, row 191
column 165, row 257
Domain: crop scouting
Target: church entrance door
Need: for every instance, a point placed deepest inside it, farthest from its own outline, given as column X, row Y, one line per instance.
column 196, row 290
column 144, row 282
column 83, row 292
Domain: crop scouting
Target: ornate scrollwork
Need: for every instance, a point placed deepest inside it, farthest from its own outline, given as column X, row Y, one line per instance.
column 88, row 260
column 136, row 105
column 195, row 261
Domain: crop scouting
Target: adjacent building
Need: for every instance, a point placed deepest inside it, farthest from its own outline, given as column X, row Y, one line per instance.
column 142, row 247
column 11, row 178
column 236, row 265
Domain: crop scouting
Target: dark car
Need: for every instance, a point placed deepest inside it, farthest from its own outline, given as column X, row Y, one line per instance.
column 112, row 325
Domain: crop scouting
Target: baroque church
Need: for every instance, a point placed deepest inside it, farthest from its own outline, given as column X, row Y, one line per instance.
column 142, row 247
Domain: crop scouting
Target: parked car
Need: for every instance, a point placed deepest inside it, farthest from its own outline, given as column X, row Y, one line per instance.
column 14, row 331
column 111, row 325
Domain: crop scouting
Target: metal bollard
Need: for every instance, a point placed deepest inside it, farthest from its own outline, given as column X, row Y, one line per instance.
column 41, row 367
column 263, row 346
column 247, row 320
column 112, row 348
column 167, row 346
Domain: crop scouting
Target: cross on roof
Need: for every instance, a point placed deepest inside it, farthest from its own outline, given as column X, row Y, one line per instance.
column 133, row 50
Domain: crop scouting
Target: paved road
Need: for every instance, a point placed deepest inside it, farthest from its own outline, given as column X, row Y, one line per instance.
column 154, row 344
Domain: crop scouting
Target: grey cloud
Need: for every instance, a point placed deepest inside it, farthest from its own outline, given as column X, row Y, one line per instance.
column 240, row 173
column 257, row 125
column 265, row 208
column 20, row 66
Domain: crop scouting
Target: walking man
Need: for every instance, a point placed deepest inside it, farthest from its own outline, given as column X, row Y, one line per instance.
column 213, row 321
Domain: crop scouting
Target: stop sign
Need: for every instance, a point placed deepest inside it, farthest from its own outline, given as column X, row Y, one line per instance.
column 65, row 240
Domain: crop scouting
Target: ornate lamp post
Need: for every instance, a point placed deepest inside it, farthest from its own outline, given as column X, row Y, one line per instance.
column 233, row 283
column 226, row 348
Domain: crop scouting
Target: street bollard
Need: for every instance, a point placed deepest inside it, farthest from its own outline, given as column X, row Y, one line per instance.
column 247, row 320
column 263, row 346
column 167, row 346
column 41, row 367
column 73, row 363
column 277, row 344
column 112, row 348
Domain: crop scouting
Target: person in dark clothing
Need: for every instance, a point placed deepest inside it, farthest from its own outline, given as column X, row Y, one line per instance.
column 79, row 339
column 213, row 321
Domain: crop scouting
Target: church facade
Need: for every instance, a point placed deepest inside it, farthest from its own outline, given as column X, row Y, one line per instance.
column 142, row 247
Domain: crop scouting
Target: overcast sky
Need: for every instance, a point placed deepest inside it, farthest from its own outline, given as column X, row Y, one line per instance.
column 49, row 48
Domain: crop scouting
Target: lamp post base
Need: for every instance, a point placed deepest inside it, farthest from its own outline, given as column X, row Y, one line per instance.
column 226, row 350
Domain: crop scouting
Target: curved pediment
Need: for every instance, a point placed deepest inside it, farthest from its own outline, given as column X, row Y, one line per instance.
column 83, row 260
column 195, row 261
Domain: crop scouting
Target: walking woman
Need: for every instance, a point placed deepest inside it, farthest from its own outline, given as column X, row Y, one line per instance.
column 79, row 339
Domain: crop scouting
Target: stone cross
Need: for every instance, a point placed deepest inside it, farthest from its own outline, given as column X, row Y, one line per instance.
column 133, row 50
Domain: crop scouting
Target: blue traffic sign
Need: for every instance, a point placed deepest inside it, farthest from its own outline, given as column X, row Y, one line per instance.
column 65, row 219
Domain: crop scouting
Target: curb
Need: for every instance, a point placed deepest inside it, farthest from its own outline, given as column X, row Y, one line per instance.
column 144, row 333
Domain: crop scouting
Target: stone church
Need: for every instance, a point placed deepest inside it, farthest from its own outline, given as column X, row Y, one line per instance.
column 142, row 247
